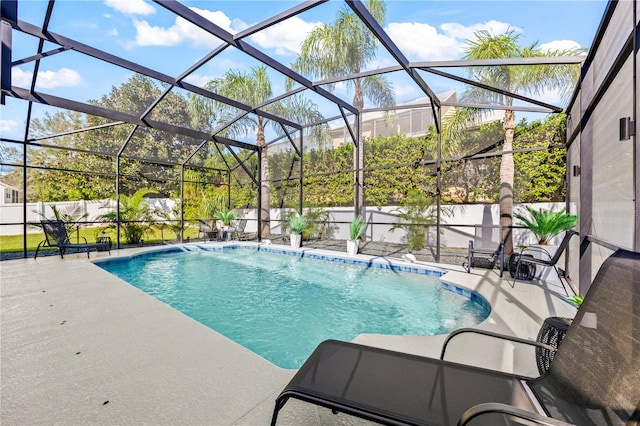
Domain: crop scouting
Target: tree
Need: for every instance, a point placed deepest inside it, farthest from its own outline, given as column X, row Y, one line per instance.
column 135, row 96
column 345, row 47
column 521, row 79
column 73, row 173
column 540, row 175
column 253, row 88
column 82, row 165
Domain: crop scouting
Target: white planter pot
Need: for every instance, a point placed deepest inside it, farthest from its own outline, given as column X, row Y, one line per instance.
column 296, row 240
column 352, row 247
column 226, row 233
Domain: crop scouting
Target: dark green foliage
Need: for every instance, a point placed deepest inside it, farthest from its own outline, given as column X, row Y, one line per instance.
column 386, row 184
column 546, row 224
column 540, row 175
column 394, row 165
column 136, row 215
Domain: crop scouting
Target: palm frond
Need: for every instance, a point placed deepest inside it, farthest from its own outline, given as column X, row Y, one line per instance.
column 546, row 224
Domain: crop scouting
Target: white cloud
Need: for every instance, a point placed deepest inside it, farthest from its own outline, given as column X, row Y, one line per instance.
column 8, row 126
column 64, row 77
column 423, row 42
column 146, row 35
column 199, row 79
column 131, row 7
column 20, row 78
column 406, row 90
column 286, row 37
column 559, row 45
column 184, row 32
column 113, row 32
column 463, row 33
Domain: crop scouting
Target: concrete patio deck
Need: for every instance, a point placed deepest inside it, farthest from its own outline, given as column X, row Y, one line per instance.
column 80, row 346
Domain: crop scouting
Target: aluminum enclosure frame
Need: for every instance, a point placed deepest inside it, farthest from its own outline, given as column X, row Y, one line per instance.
column 11, row 23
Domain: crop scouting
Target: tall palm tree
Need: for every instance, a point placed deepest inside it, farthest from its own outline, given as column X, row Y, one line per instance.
column 345, row 47
column 254, row 88
column 522, row 79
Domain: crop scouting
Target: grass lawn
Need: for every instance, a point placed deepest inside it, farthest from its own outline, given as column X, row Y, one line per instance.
column 13, row 243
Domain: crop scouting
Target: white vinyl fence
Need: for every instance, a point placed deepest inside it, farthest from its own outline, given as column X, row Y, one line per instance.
column 380, row 219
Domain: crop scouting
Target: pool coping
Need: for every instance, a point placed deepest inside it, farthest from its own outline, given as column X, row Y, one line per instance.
column 81, row 346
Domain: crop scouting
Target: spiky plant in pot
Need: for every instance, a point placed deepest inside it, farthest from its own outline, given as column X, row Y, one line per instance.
column 546, row 224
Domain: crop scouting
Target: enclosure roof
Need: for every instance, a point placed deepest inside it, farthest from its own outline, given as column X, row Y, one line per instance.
column 186, row 46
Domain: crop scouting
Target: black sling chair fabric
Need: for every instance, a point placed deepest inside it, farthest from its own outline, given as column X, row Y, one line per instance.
column 593, row 380
column 56, row 235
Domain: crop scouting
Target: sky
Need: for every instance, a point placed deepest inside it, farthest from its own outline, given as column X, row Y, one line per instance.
column 145, row 33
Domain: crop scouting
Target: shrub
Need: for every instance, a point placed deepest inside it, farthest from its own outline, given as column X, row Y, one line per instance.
column 546, row 224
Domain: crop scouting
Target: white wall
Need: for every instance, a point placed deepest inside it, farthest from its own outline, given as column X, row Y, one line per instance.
column 385, row 217
column 380, row 220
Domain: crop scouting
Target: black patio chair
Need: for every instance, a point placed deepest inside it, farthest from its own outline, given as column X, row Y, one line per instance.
column 55, row 234
column 486, row 249
column 594, row 378
column 525, row 256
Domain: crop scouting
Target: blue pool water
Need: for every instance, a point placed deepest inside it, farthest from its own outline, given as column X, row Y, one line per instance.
column 281, row 307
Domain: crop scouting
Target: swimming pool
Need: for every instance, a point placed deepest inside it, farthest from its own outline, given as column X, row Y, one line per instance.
column 281, row 307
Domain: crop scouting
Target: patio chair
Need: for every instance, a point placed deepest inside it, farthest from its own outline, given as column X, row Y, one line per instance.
column 594, row 378
column 486, row 248
column 237, row 232
column 525, row 256
column 55, row 234
column 204, row 230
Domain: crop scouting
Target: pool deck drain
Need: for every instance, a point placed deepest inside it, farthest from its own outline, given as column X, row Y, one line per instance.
column 80, row 346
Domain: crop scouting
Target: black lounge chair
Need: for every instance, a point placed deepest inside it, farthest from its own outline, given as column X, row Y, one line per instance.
column 55, row 234
column 594, row 378
column 524, row 256
column 486, row 249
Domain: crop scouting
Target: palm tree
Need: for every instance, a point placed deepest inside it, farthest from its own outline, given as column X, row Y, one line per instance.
column 345, row 47
column 519, row 79
column 135, row 215
column 253, row 89
column 342, row 48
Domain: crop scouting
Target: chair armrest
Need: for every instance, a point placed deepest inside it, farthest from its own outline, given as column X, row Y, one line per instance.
column 495, row 335
column 494, row 407
column 531, row 249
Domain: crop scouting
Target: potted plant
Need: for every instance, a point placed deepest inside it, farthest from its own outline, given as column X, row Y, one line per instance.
column 546, row 224
column 298, row 225
column 225, row 216
column 357, row 227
